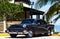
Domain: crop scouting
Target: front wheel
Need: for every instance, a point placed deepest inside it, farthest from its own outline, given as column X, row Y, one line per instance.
column 30, row 34
column 13, row 35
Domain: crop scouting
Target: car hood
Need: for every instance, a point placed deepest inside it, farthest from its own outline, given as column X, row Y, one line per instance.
column 17, row 25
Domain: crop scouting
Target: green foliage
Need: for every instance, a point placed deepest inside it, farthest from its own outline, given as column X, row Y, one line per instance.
column 53, row 10
column 40, row 3
column 10, row 9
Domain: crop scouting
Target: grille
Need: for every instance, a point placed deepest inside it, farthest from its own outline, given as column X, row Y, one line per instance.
column 16, row 29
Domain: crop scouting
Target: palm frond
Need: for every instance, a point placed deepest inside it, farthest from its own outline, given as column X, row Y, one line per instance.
column 40, row 3
column 51, row 11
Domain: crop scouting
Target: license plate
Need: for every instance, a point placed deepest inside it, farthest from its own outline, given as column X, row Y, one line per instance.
column 20, row 32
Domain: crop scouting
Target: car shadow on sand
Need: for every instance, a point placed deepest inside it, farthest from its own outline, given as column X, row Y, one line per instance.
column 27, row 37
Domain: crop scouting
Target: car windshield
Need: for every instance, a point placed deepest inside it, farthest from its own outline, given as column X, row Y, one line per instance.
column 27, row 21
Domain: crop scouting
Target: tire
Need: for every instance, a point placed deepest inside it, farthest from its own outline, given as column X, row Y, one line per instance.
column 30, row 34
column 49, row 32
column 13, row 35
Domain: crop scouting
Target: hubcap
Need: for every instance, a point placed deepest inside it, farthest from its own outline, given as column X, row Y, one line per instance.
column 49, row 32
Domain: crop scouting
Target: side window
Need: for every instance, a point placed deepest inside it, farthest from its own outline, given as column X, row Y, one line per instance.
column 41, row 22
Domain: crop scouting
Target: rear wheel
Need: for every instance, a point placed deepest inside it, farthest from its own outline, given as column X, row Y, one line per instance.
column 48, row 33
column 13, row 35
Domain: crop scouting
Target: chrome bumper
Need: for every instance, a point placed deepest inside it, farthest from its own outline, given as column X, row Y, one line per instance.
column 15, row 32
column 22, row 33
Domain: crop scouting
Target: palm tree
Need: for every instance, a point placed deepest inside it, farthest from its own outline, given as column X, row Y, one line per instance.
column 54, row 9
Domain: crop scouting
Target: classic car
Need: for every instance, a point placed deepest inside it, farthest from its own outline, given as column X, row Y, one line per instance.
column 30, row 27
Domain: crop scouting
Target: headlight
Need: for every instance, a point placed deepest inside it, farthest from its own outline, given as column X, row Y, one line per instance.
column 7, row 31
column 24, row 26
column 9, row 25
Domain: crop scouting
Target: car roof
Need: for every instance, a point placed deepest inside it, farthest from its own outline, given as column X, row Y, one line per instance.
column 28, row 19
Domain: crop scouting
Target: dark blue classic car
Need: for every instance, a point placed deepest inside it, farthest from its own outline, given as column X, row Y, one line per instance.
column 30, row 27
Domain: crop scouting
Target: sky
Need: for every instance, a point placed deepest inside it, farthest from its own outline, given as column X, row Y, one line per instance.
column 45, row 8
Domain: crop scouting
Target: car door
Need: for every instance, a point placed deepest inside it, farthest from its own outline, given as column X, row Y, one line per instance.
column 35, row 29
